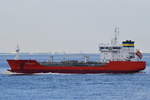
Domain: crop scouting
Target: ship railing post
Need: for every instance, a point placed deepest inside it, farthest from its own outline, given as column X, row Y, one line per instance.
column 51, row 59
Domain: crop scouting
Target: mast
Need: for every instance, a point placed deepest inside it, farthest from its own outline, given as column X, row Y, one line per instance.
column 17, row 52
column 114, row 41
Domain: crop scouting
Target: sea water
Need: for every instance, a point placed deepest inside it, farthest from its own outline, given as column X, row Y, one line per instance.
column 48, row 86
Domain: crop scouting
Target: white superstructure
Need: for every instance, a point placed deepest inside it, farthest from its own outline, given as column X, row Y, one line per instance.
column 117, row 52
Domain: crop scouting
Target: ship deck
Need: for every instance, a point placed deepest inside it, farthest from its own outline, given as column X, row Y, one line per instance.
column 72, row 63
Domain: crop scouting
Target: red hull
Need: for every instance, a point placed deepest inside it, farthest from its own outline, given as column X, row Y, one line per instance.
column 32, row 66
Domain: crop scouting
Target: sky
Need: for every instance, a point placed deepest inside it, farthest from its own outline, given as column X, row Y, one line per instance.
column 72, row 25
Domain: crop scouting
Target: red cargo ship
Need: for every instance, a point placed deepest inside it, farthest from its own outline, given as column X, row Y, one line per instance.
column 115, row 58
column 32, row 66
